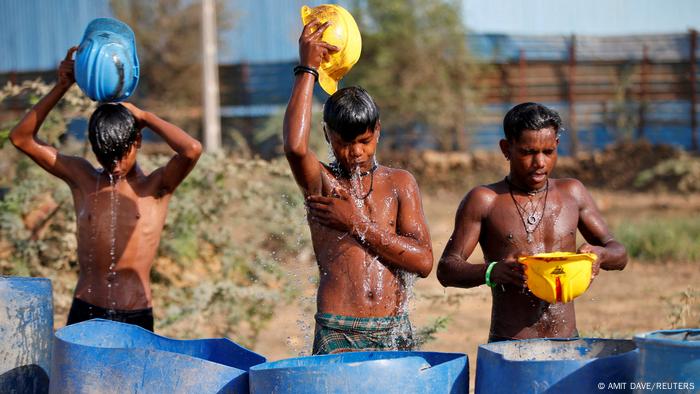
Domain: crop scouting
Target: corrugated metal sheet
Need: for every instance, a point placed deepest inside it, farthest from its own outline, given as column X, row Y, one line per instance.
column 506, row 48
column 35, row 34
column 264, row 31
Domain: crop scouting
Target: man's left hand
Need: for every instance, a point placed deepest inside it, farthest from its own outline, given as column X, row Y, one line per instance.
column 339, row 212
column 596, row 250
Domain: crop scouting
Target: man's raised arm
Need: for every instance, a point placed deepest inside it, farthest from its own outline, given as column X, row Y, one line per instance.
column 24, row 134
column 297, row 119
column 187, row 149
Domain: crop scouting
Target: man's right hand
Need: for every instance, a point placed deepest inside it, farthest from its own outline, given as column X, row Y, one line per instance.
column 66, row 73
column 509, row 272
column 312, row 50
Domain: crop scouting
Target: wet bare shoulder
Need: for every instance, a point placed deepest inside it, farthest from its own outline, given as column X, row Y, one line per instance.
column 152, row 184
column 399, row 178
column 480, row 199
column 83, row 173
column 571, row 187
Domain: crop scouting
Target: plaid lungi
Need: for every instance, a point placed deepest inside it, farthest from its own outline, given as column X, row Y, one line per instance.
column 337, row 334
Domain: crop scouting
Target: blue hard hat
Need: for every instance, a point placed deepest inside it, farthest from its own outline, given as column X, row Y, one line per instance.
column 106, row 64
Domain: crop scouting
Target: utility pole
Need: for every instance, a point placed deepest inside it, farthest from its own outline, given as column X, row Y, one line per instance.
column 571, row 97
column 210, row 88
column 693, row 90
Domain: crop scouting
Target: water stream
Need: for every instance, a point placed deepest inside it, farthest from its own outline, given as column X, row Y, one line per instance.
column 112, row 274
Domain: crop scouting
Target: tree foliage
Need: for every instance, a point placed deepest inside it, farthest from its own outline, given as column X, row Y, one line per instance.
column 416, row 64
column 169, row 45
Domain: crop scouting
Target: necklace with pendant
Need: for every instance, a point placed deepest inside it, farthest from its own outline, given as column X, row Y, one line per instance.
column 531, row 219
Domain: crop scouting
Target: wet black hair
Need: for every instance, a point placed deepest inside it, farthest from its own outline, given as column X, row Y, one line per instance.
column 349, row 112
column 530, row 116
column 112, row 130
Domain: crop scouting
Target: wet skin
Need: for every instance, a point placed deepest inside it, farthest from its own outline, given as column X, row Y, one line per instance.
column 488, row 216
column 362, row 244
column 140, row 201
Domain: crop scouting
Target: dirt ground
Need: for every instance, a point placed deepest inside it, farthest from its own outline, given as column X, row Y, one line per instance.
column 619, row 304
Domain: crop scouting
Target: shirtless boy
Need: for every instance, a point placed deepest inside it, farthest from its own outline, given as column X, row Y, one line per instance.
column 366, row 220
column 524, row 214
column 120, row 210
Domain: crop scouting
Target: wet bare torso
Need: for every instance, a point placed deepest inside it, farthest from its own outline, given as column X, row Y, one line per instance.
column 517, row 313
column 353, row 281
column 116, row 252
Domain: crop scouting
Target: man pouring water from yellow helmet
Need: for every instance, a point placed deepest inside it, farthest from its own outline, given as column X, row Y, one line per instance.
column 366, row 220
column 526, row 226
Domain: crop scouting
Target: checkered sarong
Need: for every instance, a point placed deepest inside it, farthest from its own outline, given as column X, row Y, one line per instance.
column 337, row 334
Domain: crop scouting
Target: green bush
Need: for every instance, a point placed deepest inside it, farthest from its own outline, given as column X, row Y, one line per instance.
column 230, row 227
column 677, row 174
column 662, row 239
column 239, row 220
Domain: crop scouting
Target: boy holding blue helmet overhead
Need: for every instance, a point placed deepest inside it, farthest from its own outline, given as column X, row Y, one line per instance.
column 120, row 210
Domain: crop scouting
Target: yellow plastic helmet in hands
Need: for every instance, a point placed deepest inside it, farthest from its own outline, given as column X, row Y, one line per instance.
column 558, row 276
column 344, row 34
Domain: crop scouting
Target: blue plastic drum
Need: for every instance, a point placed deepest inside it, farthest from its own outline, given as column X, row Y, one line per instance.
column 669, row 361
column 586, row 365
column 101, row 356
column 364, row 372
column 26, row 333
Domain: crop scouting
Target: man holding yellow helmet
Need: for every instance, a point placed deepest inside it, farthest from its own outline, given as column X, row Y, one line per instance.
column 526, row 226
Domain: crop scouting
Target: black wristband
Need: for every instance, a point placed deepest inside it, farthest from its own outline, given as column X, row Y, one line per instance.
column 305, row 69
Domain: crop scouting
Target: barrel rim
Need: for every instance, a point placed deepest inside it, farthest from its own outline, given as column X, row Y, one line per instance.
column 488, row 348
column 649, row 338
column 270, row 365
column 12, row 278
column 60, row 335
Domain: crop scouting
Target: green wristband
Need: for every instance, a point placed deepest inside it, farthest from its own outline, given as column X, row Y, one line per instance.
column 488, row 274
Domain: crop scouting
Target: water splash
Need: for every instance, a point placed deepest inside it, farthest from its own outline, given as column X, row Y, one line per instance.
column 92, row 214
column 331, row 155
column 112, row 275
column 402, row 333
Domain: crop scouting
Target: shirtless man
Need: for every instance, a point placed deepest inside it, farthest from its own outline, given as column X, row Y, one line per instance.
column 366, row 220
column 120, row 210
column 526, row 213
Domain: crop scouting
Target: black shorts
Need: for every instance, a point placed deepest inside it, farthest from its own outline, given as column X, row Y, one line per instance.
column 82, row 311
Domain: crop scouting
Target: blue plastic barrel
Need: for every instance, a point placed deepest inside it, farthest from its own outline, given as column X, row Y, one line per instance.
column 364, row 372
column 669, row 360
column 26, row 334
column 102, row 356
column 586, row 365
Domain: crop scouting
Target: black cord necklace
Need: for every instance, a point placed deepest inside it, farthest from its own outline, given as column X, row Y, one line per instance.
column 342, row 173
column 529, row 192
column 530, row 220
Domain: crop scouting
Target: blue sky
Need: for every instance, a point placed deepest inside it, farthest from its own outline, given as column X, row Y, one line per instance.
column 587, row 17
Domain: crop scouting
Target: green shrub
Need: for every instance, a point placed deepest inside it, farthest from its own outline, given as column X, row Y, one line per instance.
column 677, row 174
column 674, row 239
column 230, row 227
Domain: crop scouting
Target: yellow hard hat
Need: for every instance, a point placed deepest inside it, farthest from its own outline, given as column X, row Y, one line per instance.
column 344, row 34
column 558, row 276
